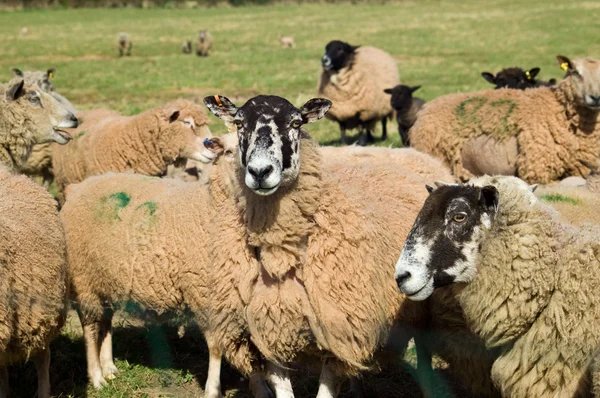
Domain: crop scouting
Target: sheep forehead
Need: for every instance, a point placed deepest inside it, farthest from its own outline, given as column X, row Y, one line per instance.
column 589, row 69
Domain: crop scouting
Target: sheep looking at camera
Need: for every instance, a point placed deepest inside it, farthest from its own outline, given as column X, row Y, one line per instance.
column 406, row 107
column 124, row 44
column 516, row 78
column 203, row 43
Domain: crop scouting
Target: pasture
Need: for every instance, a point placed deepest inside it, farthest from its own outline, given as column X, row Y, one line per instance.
column 441, row 45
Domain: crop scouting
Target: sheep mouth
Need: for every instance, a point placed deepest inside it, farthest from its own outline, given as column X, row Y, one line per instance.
column 423, row 293
column 63, row 134
column 265, row 191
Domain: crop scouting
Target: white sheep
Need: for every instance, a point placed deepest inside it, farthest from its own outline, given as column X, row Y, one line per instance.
column 124, row 44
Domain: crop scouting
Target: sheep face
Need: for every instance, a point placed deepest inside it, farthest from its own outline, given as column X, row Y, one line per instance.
column 515, row 78
column 42, row 114
column 338, row 55
column 443, row 244
column 584, row 75
column 401, row 96
column 202, row 35
column 42, row 79
column 269, row 130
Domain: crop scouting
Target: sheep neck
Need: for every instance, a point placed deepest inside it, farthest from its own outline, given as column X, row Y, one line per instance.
column 580, row 117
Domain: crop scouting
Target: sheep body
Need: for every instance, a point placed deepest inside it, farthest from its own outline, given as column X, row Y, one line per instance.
column 186, row 48
column 406, row 107
column 286, row 41
column 577, row 205
column 203, row 43
column 124, row 44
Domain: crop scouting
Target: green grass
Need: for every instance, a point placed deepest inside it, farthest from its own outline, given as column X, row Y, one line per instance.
column 441, row 45
column 556, row 198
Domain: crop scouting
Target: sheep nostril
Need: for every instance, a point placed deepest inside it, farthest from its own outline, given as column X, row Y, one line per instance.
column 264, row 173
column 403, row 277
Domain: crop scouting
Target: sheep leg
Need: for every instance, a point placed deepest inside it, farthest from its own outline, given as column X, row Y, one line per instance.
column 3, row 382
column 362, row 136
column 42, row 366
column 384, row 128
column 357, row 387
column 342, row 134
column 212, row 388
column 91, row 337
column 279, row 379
column 329, row 382
column 109, row 370
column 258, row 386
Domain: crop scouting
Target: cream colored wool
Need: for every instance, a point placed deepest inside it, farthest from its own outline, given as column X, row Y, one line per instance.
column 576, row 205
column 357, row 89
column 33, row 287
column 553, row 136
column 146, row 143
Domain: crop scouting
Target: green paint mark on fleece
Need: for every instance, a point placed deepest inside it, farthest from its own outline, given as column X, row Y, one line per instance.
column 556, row 197
column 111, row 205
column 150, row 207
column 81, row 134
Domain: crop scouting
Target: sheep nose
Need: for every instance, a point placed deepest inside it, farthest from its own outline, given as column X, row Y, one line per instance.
column 74, row 120
column 325, row 60
column 403, row 277
column 260, row 174
column 595, row 98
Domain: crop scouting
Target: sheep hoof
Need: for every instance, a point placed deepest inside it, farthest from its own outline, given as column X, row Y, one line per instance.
column 109, row 371
column 99, row 382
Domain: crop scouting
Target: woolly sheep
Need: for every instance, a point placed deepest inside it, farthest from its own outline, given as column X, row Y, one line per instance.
column 406, row 107
column 204, row 43
column 516, row 78
column 124, row 44
column 33, row 287
column 319, row 238
column 146, row 143
column 354, row 78
column 540, row 135
column 186, row 48
column 286, row 41
column 528, row 284
column 29, row 116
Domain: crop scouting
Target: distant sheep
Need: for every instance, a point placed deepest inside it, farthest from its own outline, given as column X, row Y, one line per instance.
column 354, row 78
column 286, row 41
column 516, row 78
column 124, row 44
column 203, row 43
column 406, row 107
column 540, row 135
column 186, row 48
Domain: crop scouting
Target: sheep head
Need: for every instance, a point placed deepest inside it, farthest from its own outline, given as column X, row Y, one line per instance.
column 401, row 96
column 42, row 79
column 515, row 78
column 584, row 77
column 338, row 54
column 269, row 129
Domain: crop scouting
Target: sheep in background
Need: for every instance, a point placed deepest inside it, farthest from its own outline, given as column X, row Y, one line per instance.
column 286, row 41
column 540, row 135
column 406, row 107
column 204, row 43
column 124, row 44
column 517, row 78
column 354, row 78
column 24, row 31
column 186, row 48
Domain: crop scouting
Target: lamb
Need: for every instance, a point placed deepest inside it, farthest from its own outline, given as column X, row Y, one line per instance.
column 286, row 41
column 354, row 78
column 186, row 48
column 204, row 43
column 516, row 78
column 124, row 44
column 526, row 282
column 33, row 288
column 540, row 135
column 145, row 144
column 29, row 116
column 406, row 108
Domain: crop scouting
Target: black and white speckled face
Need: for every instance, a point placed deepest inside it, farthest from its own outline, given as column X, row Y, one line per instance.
column 443, row 245
column 269, row 132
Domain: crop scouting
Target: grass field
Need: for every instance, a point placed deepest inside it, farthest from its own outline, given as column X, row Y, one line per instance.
column 441, row 45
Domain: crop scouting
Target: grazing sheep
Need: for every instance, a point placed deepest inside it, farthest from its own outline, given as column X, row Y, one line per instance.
column 517, row 78
column 528, row 285
column 124, row 44
column 204, row 43
column 186, row 48
column 146, row 143
column 354, row 78
column 406, row 108
column 29, row 116
column 540, row 135
column 320, row 238
column 286, row 41
column 33, row 287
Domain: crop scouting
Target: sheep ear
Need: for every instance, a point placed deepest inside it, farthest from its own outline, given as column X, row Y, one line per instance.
column 16, row 91
column 439, row 184
column 415, row 88
column 314, row 109
column 489, row 77
column 214, row 144
column 552, row 81
column 532, row 73
column 354, row 48
column 388, row 90
column 173, row 115
column 17, row 72
column 564, row 63
column 429, row 188
column 488, row 199
column 221, row 107
column 51, row 73
column 533, row 187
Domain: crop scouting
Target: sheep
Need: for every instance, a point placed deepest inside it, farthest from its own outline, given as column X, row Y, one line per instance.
column 33, row 288
column 44, row 81
column 577, row 205
column 146, row 143
column 319, row 238
column 516, row 78
column 24, row 31
column 204, row 43
column 526, row 282
column 124, row 44
column 286, row 41
column 186, row 48
column 29, row 116
column 354, row 78
column 406, row 108
column 540, row 135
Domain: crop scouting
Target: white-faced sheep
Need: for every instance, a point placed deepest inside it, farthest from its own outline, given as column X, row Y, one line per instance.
column 354, row 78
column 528, row 285
column 516, row 78
column 146, row 143
column 124, row 44
column 203, row 43
column 186, row 48
column 29, row 116
column 286, row 41
column 406, row 107
column 540, row 135
column 33, row 287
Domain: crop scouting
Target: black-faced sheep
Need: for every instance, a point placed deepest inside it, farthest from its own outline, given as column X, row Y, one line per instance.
column 540, row 135
column 354, row 78
column 124, row 44
column 406, row 107
column 203, row 43
column 516, row 78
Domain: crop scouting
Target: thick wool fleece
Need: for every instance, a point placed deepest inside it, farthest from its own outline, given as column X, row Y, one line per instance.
column 33, row 287
column 576, row 205
column 145, row 144
column 535, row 299
column 539, row 135
column 357, row 89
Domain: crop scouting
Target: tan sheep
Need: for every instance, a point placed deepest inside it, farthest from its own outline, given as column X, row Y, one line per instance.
column 540, row 135
column 29, row 116
column 203, row 43
column 186, row 48
column 576, row 205
column 146, row 143
column 286, row 41
column 33, row 287
column 124, row 44
column 354, row 79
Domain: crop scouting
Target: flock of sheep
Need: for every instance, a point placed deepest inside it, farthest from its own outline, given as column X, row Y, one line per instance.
column 284, row 251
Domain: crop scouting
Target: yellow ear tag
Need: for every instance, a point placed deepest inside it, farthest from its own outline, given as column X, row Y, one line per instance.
column 51, row 75
column 528, row 75
column 564, row 66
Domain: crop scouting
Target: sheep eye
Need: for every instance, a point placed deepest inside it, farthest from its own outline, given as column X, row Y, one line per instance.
column 188, row 123
column 34, row 98
column 228, row 152
column 296, row 124
column 461, row 217
column 238, row 123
